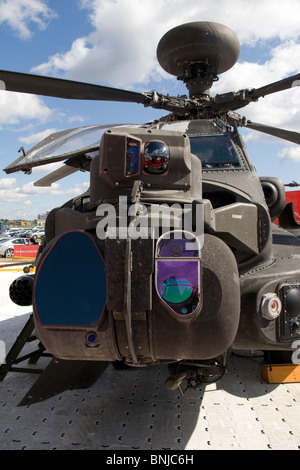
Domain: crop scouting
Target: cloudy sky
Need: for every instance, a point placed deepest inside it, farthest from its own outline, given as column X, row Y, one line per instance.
column 113, row 43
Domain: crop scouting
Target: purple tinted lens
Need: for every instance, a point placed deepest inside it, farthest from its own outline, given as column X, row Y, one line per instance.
column 178, row 284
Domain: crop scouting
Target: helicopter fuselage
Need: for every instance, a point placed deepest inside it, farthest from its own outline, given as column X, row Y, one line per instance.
column 172, row 255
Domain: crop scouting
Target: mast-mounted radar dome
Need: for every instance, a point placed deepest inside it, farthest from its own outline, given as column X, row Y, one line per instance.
column 197, row 52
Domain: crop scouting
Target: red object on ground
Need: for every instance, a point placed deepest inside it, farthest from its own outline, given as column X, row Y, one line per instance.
column 25, row 251
column 294, row 196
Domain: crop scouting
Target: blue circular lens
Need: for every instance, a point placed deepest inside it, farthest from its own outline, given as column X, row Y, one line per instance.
column 91, row 338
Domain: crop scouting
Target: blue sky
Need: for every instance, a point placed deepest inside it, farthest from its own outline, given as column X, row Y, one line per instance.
column 113, row 43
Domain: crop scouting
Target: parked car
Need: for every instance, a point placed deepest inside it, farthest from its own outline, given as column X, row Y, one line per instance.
column 7, row 246
column 40, row 234
column 25, row 233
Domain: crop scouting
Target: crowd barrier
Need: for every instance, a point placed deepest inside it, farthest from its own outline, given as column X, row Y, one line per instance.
column 25, row 251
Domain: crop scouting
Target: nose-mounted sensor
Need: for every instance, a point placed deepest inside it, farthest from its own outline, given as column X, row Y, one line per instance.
column 156, row 158
column 178, row 272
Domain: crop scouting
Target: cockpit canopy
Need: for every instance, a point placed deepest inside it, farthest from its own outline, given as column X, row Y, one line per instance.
column 215, row 151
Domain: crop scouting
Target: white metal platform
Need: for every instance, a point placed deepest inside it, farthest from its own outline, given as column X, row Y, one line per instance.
column 131, row 409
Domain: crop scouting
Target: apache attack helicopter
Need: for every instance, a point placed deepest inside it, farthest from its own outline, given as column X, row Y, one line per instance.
column 219, row 274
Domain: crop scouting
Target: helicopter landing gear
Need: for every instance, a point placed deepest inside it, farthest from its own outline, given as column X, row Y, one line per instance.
column 195, row 373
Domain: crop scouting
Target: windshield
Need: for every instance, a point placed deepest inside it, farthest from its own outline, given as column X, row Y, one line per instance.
column 215, row 151
column 61, row 146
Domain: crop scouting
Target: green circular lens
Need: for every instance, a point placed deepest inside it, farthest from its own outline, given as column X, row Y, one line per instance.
column 176, row 290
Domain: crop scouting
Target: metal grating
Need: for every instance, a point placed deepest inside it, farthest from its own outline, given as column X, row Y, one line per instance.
column 131, row 410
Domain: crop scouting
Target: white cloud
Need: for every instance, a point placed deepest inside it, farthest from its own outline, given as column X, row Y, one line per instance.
column 55, row 189
column 18, row 106
column 9, row 191
column 38, row 137
column 280, row 109
column 78, row 188
column 121, row 48
column 11, row 195
column 120, row 51
column 6, row 183
column 65, row 61
column 21, row 15
column 45, row 169
column 290, row 153
column 283, row 61
column 256, row 21
column 29, row 188
column 16, row 199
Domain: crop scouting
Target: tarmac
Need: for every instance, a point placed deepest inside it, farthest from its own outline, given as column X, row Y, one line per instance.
column 131, row 409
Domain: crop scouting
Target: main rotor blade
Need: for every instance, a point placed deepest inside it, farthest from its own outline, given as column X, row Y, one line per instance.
column 280, row 85
column 235, row 119
column 236, row 100
column 291, row 136
column 60, row 88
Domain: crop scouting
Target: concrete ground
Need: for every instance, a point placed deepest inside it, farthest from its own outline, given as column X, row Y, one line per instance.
column 131, row 409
